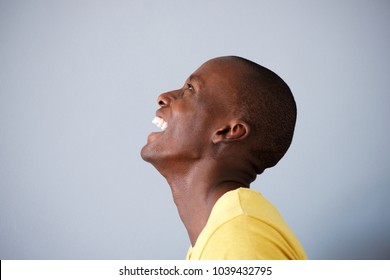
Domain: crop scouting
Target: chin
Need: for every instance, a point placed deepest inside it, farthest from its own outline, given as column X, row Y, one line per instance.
column 150, row 155
column 145, row 155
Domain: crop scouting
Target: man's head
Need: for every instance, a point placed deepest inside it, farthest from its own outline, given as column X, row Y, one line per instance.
column 230, row 110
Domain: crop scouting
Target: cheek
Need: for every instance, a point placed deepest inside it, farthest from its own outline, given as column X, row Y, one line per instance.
column 188, row 139
column 191, row 125
column 194, row 126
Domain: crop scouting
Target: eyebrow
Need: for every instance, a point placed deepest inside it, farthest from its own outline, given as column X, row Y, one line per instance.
column 197, row 79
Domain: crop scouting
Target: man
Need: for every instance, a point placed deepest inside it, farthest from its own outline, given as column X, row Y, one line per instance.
column 230, row 121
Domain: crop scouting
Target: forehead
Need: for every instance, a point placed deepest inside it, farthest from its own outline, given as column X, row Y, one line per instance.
column 217, row 72
column 217, row 85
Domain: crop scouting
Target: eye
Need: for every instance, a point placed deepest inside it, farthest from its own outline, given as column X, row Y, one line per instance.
column 187, row 87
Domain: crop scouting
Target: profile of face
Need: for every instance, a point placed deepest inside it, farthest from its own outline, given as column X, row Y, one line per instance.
column 191, row 116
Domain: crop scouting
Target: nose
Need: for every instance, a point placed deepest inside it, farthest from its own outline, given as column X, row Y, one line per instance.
column 165, row 99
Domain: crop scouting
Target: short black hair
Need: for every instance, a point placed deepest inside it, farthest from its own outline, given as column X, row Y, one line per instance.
column 267, row 104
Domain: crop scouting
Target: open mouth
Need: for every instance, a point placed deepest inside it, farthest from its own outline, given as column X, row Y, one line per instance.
column 160, row 123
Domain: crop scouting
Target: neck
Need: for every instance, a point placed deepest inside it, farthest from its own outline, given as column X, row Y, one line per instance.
column 196, row 189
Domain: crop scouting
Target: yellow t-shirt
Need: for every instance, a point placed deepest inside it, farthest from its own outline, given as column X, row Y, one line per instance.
column 244, row 225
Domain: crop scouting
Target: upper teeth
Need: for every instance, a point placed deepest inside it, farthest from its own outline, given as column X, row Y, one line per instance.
column 160, row 123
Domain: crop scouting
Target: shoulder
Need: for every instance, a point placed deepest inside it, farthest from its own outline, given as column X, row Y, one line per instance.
column 244, row 225
column 246, row 237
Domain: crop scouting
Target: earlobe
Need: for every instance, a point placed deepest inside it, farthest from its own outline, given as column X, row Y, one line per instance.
column 238, row 130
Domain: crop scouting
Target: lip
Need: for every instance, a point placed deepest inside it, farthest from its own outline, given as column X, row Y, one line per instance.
column 161, row 115
column 153, row 135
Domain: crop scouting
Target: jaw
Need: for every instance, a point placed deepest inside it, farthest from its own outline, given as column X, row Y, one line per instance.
column 176, row 147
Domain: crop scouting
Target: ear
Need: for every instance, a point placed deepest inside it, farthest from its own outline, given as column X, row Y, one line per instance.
column 236, row 130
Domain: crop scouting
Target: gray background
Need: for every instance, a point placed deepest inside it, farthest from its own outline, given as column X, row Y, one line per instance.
column 78, row 88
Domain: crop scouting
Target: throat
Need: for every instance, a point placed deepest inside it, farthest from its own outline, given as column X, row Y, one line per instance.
column 194, row 205
column 194, row 216
column 194, row 209
column 196, row 187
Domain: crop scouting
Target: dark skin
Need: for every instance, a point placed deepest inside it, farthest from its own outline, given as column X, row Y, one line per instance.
column 203, row 153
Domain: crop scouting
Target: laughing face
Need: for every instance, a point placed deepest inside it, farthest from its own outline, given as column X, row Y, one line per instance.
column 189, row 117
